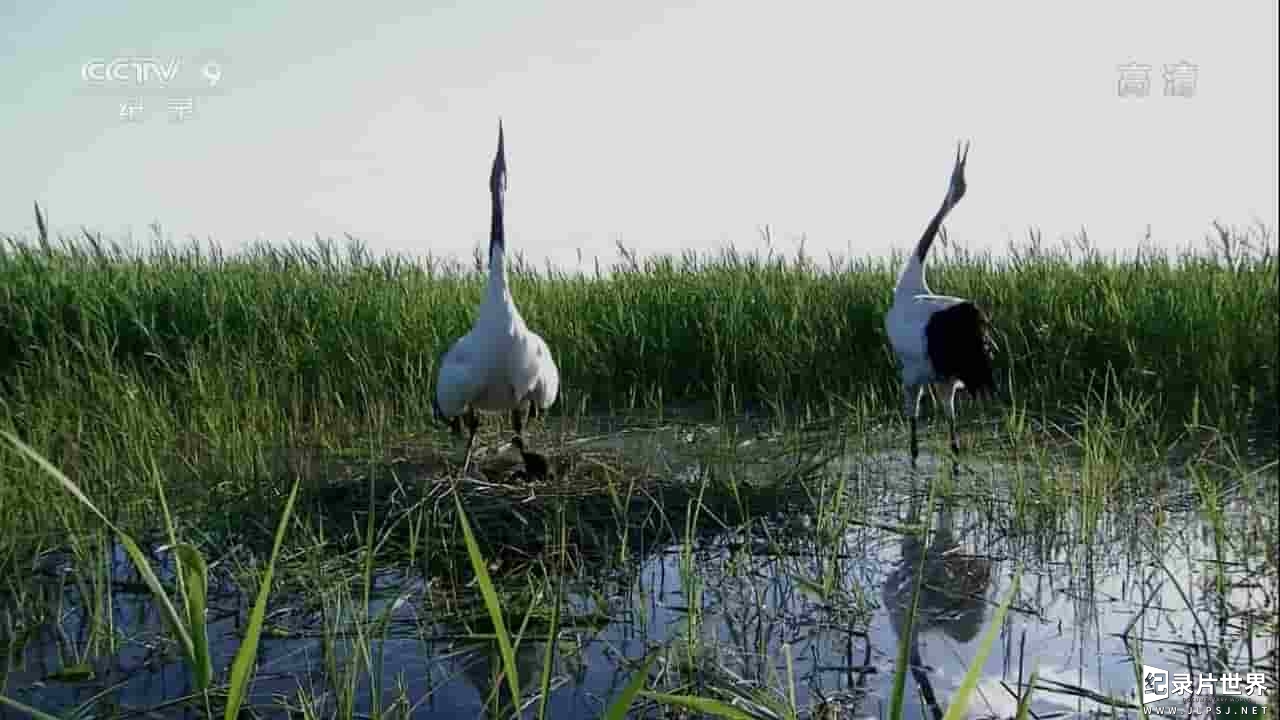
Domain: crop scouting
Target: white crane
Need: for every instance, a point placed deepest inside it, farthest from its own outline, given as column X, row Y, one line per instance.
column 939, row 340
column 500, row 365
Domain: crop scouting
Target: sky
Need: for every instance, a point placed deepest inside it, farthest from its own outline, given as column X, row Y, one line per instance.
column 661, row 126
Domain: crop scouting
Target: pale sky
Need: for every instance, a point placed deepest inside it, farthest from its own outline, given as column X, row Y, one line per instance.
column 665, row 127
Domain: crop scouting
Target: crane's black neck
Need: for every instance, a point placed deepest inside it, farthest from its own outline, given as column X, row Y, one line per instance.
column 931, row 230
column 497, row 186
column 497, row 234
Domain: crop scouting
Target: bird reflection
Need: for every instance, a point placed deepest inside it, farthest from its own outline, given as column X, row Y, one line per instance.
column 952, row 593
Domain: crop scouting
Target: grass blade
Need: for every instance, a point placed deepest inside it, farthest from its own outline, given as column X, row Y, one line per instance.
column 621, row 704
column 956, row 708
column 553, row 631
column 196, row 580
column 902, row 667
column 793, row 711
column 1024, row 703
column 41, row 228
column 490, row 602
column 193, row 589
column 700, row 704
column 248, row 652
column 27, row 709
column 898, row 693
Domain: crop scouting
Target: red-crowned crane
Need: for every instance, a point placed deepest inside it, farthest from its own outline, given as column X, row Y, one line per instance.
column 500, row 365
column 939, row 340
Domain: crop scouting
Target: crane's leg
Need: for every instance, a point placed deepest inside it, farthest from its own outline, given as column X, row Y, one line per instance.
column 473, row 425
column 950, row 407
column 920, row 672
column 451, row 422
column 915, row 444
column 535, row 464
column 517, row 413
column 517, row 421
column 911, row 407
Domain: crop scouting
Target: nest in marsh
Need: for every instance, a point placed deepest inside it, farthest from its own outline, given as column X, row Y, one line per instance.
column 604, row 492
column 616, row 495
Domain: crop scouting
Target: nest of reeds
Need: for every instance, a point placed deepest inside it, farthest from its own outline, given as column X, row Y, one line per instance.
column 633, row 487
column 595, row 487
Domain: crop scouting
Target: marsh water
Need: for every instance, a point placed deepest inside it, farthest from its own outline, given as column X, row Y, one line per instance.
column 795, row 595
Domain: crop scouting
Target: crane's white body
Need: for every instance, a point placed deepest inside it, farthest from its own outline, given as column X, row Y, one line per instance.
column 500, row 364
column 905, row 324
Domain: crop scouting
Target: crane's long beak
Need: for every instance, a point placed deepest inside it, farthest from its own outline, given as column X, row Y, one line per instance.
column 497, row 185
column 958, row 184
column 498, row 177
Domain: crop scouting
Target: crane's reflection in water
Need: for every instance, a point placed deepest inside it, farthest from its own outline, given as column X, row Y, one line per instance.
column 952, row 600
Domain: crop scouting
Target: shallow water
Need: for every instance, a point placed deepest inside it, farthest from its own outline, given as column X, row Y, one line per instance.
column 761, row 597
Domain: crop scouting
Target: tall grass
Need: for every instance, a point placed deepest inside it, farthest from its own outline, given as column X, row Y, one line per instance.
column 313, row 329
column 113, row 359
